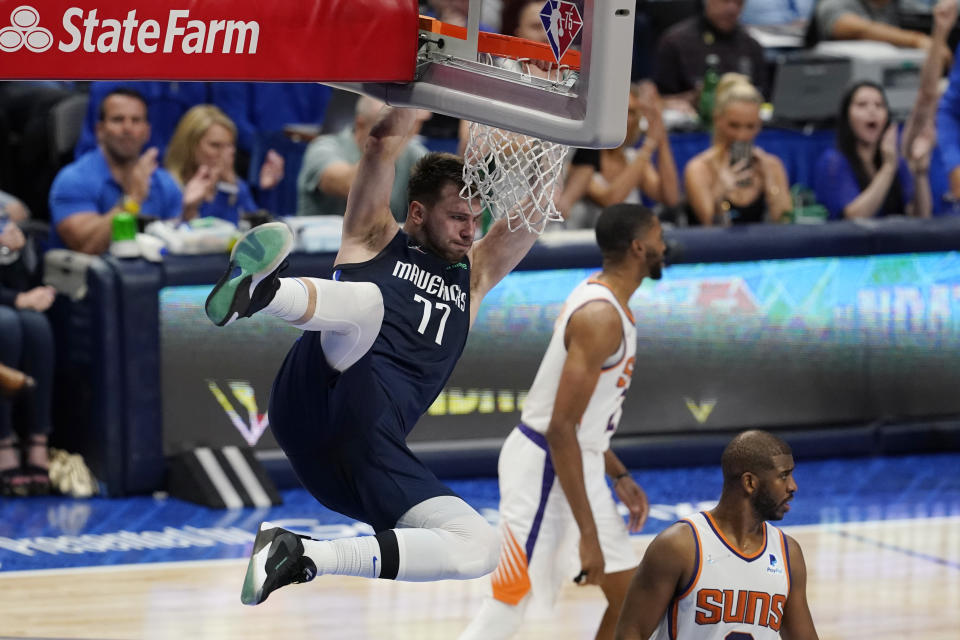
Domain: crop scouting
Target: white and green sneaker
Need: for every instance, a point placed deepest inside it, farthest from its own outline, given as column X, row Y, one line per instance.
column 252, row 278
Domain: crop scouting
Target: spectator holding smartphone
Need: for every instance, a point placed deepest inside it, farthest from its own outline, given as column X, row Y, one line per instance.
column 735, row 181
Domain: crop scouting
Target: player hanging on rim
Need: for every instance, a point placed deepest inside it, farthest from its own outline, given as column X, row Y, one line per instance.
column 727, row 573
column 572, row 409
column 380, row 342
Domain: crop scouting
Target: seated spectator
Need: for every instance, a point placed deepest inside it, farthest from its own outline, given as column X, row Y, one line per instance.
column 256, row 108
column 682, row 53
column 166, row 102
column 117, row 176
column 200, row 157
column 330, row 165
column 734, row 181
column 864, row 20
column 26, row 344
column 867, row 176
column 628, row 172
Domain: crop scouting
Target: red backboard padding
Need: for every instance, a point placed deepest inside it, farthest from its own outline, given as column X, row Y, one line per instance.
column 278, row 40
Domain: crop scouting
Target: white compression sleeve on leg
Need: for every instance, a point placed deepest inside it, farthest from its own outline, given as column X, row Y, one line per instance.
column 348, row 314
column 443, row 538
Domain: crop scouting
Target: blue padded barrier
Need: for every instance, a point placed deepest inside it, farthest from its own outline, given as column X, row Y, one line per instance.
column 137, row 310
column 89, row 386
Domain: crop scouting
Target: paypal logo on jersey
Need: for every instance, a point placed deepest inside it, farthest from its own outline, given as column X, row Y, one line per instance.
column 774, row 568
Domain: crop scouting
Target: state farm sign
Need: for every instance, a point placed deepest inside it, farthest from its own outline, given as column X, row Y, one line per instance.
column 88, row 30
column 283, row 40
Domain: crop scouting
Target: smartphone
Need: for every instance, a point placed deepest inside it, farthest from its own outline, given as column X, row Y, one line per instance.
column 740, row 151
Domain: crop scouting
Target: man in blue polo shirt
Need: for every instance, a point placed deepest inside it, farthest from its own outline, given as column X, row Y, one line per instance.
column 117, row 176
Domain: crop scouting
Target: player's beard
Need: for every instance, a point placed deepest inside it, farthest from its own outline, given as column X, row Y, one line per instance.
column 765, row 505
column 655, row 268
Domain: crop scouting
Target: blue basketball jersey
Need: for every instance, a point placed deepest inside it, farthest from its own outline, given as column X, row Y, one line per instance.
column 425, row 322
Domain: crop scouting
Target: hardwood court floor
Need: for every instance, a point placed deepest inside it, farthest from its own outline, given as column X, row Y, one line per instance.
column 882, row 580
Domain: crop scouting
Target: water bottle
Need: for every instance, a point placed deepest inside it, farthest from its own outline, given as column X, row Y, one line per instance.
column 711, row 78
column 123, row 242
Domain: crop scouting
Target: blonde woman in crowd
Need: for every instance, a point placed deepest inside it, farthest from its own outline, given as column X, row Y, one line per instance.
column 735, row 181
column 200, row 157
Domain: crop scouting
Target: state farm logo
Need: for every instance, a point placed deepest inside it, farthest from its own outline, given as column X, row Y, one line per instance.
column 91, row 33
column 24, row 32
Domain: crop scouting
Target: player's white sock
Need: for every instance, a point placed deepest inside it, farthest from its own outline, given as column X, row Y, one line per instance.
column 348, row 314
column 290, row 301
column 496, row 620
column 345, row 557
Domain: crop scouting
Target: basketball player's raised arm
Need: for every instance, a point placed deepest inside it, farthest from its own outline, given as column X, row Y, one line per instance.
column 593, row 334
column 493, row 257
column 797, row 621
column 368, row 224
column 666, row 567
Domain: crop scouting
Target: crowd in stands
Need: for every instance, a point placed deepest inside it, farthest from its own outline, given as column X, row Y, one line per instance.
column 182, row 150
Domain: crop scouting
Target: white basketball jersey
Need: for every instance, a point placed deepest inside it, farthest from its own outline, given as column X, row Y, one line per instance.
column 731, row 596
column 602, row 414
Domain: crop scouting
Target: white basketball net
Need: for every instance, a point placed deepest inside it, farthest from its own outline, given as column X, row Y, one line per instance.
column 513, row 176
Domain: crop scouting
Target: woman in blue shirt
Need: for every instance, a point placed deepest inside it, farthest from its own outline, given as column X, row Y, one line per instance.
column 201, row 157
column 865, row 176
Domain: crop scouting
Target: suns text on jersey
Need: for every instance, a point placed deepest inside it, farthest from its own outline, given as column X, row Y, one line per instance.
column 740, row 607
column 431, row 283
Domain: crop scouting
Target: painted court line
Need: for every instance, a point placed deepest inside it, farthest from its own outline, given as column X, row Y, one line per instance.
column 140, row 566
column 640, row 540
column 892, row 547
